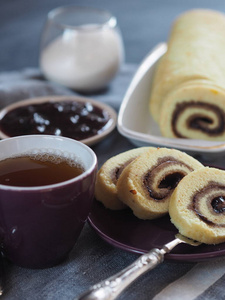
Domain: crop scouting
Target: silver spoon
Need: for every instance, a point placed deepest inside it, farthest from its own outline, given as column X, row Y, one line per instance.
column 112, row 287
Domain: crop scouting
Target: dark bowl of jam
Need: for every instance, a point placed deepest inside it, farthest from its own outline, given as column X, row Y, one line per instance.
column 79, row 118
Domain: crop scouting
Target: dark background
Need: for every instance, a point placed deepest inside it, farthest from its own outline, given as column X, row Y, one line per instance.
column 143, row 24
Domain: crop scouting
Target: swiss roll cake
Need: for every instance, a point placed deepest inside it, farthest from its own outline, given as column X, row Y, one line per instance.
column 188, row 91
column 146, row 184
column 197, row 206
column 108, row 175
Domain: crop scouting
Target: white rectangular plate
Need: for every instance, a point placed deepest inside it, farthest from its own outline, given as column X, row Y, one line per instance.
column 136, row 123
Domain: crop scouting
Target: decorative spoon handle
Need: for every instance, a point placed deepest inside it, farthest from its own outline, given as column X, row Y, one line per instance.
column 112, row 287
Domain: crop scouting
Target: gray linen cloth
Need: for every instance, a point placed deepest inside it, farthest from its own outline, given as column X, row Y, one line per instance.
column 92, row 259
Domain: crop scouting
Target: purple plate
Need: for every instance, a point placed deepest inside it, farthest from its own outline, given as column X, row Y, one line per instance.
column 123, row 230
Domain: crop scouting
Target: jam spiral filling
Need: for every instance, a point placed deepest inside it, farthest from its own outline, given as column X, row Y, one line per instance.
column 161, row 180
column 204, row 117
column 119, row 169
column 209, row 204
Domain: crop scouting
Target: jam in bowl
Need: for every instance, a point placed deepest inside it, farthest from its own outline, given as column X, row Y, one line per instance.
column 75, row 117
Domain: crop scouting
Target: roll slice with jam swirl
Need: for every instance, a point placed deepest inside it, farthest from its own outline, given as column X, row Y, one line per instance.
column 147, row 183
column 108, row 175
column 197, row 206
column 194, row 110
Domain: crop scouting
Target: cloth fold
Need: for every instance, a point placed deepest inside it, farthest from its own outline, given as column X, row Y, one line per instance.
column 28, row 83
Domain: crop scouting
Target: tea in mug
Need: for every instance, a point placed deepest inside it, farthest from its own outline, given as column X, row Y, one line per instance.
column 37, row 170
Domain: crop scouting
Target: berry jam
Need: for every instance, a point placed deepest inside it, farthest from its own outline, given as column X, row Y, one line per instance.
column 72, row 119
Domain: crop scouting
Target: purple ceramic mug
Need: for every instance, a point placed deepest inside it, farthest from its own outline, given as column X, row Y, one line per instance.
column 40, row 225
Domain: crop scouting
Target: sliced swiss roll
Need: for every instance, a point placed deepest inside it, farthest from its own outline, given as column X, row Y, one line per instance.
column 200, row 116
column 108, row 175
column 197, row 206
column 147, row 183
column 188, row 90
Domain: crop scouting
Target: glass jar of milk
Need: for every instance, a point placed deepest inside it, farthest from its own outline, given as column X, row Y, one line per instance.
column 81, row 48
